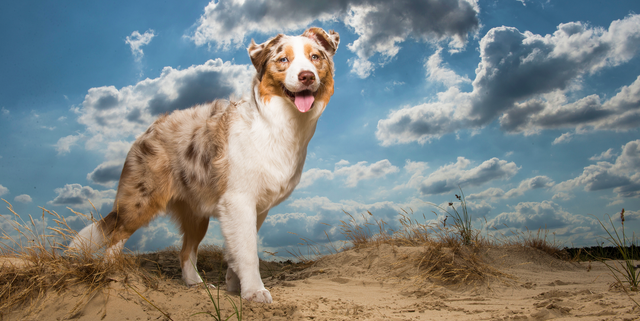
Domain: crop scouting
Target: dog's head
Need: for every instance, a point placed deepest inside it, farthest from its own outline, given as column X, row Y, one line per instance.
column 297, row 68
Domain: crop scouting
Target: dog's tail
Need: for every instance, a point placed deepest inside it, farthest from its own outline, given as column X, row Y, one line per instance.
column 95, row 235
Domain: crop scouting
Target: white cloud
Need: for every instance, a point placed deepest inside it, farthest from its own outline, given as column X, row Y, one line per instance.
column 361, row 171
column 312, row 175
column 608, row 154
column 493, row 194
column 64, row 144
column 354, row 173
column 522, row 79
column 438, row 73
column 448, row 177
column 623, row 176
column 77, row 196
column 564, row 138
column 24, row 198
column 137, row 40
column 112, row 114
column 535, row 215
column 380, row 25
column 3, row 190
column 4, row 111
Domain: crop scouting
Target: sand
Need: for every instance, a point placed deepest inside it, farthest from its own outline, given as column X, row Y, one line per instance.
column 375, row 284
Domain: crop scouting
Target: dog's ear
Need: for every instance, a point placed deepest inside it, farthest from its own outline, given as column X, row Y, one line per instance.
column 329, row 41
column 259, row 54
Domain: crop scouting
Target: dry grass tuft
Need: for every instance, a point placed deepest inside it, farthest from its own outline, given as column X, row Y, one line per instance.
column 447, row 256
column 35, row 260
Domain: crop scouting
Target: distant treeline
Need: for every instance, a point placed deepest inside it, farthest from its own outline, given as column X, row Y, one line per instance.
column 608, row 252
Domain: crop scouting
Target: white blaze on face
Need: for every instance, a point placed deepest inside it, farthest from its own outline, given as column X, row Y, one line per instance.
column 301, row 62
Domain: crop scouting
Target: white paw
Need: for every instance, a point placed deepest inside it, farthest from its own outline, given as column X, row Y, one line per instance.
column 262, row 296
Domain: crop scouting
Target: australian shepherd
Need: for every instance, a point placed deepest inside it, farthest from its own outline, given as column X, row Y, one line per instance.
column 233, row 160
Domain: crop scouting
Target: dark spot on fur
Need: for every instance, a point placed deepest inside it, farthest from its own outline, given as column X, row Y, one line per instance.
column 141, row 188
column 183, row 178
column 206, row 161
column 140, row 159
column 145, row 149
column 190, row 153
column 149, row 130
column 138, row 205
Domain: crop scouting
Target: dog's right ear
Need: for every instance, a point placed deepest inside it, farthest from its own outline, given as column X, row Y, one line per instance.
column 260, row 54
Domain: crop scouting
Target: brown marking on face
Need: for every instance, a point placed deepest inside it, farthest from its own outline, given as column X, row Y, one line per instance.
column 324, row 67
column 261, row 53
column 275, row 74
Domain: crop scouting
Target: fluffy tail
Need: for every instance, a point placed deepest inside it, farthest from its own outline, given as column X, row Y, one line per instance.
column 94, row 236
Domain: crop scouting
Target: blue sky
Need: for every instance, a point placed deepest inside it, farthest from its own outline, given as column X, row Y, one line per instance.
column 532, row 107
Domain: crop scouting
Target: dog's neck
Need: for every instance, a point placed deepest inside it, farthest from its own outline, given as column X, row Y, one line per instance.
column 282, row 120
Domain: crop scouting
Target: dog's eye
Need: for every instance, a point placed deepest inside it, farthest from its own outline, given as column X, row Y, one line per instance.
column 314, row 57
column 284, row 59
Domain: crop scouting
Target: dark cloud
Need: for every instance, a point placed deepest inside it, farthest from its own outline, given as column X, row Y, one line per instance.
column 80, row 197
column 452, row 176
column 111, row 113
column 621, row 176
column 106, row 173
column 535, row 215
column 522, row 79
column 380, row 24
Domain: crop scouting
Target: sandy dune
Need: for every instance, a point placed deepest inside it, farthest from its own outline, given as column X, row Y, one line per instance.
column 373, row 284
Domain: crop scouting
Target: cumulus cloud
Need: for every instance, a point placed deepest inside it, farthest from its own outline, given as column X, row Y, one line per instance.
column 380, row 25
column 64, row 144
column 494, row 193
column 623, row 176
column 3, row 190
column 522, row 79
column 312, row 175
column 535, row 215
column 438, row 73
column 354, row 173
column 24, row 198
column 110, row 113
column 77, row 196
column 137, row 40
column 448, row 177
column 608, row 154
column 361, row 171
column 108, row 172
column 564, row 138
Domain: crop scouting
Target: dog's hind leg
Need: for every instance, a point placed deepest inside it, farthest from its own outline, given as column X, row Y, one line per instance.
column 193, row 228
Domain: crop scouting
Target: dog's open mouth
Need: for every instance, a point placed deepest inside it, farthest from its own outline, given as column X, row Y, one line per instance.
column 302, row 99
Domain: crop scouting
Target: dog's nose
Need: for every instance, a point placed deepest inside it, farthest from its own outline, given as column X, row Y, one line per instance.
column 306, row 77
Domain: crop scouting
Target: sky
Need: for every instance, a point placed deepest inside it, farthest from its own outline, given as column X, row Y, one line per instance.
column 531, row 107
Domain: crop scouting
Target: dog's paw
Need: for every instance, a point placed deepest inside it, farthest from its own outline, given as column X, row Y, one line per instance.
column 262, row 296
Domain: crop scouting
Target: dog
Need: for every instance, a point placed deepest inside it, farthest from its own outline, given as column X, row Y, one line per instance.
column 232, row 160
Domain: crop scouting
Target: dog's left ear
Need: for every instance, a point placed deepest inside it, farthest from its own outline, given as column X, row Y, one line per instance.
column 259, row 54
column 329, row 41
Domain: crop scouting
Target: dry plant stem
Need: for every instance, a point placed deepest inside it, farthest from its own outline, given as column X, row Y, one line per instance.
column 47, row 265
column 626, row 272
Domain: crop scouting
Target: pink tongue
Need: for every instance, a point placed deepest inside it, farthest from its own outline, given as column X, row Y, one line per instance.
column 304, row 100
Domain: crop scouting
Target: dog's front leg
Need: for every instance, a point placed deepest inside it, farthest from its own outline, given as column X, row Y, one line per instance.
column 238, row 224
